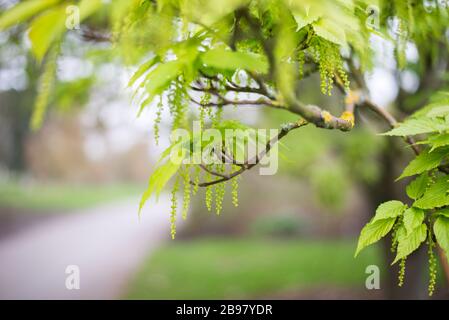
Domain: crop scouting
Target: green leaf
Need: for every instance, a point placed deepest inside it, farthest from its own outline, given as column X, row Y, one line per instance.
column 389, row 209
column 46, row 29
column 89, row 7
column 142, row 69
column 443, row 212
column 408, row 243
column 417, row 187
column 441, row 230
column 51, row 25
column 23, row 11
column 435, row 196
column 160, row 78
column 158, row 180
column 437, row 141
column 439, row 111
column 230, row 60
column 330, row 31
column 413, row 218
column 425, row 161
column 417, row 126
column 373, row 232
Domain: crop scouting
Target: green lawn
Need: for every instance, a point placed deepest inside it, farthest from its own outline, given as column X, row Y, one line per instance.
column 61, row 197
column 224, row 269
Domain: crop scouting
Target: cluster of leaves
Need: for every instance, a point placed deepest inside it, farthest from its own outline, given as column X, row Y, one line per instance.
column 427, row 216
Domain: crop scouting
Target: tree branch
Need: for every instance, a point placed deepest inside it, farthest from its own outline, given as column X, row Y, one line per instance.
column 251, row 163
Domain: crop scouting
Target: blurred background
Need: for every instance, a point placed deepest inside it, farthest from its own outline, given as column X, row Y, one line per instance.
column 69, row 195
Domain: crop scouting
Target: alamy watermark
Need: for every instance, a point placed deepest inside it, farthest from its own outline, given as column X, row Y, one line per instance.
column 372, row 281
column 73, row 279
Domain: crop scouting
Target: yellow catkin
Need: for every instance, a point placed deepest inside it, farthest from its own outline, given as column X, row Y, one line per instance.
column 432, row 265
column 174, row 207
column 45, row 88
column 235, row 191
column 158, row 119
column 209, row 194
column 187, row 193
column 220, row 190
column 401, row 276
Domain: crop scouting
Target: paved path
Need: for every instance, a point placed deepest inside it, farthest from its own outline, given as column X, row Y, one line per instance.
column 108, row 244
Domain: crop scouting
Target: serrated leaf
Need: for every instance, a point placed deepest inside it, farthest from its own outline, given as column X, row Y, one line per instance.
column 23, row 11
column 439, row 111
column 230, row 60
column 440, row 140
column 435, row 196
column 417, row 187
column 425, row 161
column 389, row 209
column 408, row 243
column 440, row 99
column 413, row 218
column 373, row 232
column 413, row 127
column 441, row 230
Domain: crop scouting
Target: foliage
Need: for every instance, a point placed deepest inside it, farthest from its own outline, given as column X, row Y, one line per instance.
column 194, row 55
column 426, row 217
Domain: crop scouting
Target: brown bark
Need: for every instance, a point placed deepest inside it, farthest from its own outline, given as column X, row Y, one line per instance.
column 444, row 263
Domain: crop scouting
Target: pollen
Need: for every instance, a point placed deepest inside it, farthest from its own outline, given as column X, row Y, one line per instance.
column 327, row 117
column 348, row 116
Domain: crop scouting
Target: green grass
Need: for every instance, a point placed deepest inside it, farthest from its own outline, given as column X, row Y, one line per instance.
column 61, row 197
column 225, row 269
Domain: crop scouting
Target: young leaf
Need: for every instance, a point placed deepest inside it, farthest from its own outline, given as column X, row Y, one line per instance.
column 417, row 126
column 160, row 78
column 330, row 31
column 425, row 161
column 437, row 141
column 441, row 230
column 413, row 218
column 142, row 69
column 373, row 232
column 230, row 60
column 443, row 212
column 51, row 25
column 435, row 196
column 23, row 11
column 407, row 243
column 46, row 29
column 389, row 209
column 159, row 179
column 417, row 187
